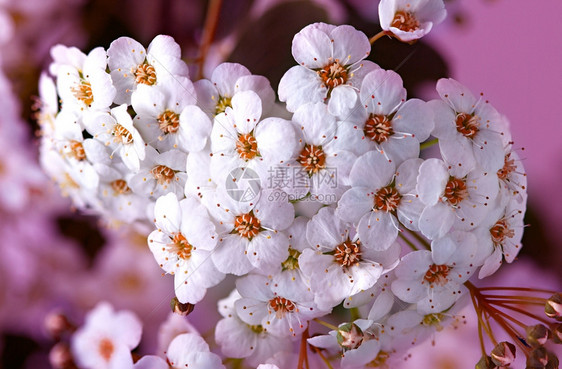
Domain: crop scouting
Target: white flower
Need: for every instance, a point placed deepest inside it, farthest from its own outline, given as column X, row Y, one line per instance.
column 68, row 178
column 389, row 123
column 215, row 95
column 173, row 326
column 199, row 182
column 106, row 339
column 240, row 340
column 338, row 265
column 379, row 296
column 160, row 174
column 119, row 202
column 321, row 165
column 470, row 131
column 182, row 246
column 82, row 81
column 409, row 327
column 409, row 20
column 240, row 140
column 434, row 279
column 115, row 130
column 168, row 118
column 291, row 280
column 191, row 350
column 151, row 362
column 499, row 235
column 450, row 201
column 330, row 69
column 512, row 176
column 48, row 104
column 379, row 197
column 278, row 315
column 132, row 65
column 83, row 154
column 251, row 234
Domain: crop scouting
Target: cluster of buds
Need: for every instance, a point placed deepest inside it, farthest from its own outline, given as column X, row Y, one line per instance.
column 59, row 328
column 509, row 311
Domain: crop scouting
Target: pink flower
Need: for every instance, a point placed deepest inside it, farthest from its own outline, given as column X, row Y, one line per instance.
column 106, row 339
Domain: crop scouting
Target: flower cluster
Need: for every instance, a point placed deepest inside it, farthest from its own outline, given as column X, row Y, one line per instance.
column 325, row 200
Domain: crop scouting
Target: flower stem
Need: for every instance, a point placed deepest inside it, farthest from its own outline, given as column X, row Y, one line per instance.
column 303, row 353
column 326, row 361
column 211, row 21
column 377, row 36
column 519, row 299
column 420, row 239
column 408, row 242
column 523, row 312
column 354, row 314
column 326, row 324
column 427, row 144
column 516, row 289
column 480, row 323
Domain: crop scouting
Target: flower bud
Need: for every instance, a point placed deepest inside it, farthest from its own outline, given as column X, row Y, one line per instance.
column 537, row 335
column 553, row 362
column 538, row 358
column 181, row 309
column 349, row 336
column 503, row 354
column 556, row 330
column 553, row 306
column 485, row 363
column 57, row 324
column 60, row 357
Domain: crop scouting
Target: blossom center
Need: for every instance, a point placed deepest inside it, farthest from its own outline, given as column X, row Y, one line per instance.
column 508, row 167
column 455, row 191
column 247, row 225
column 281, row 306
column 256, row 328
column 247, row 146
column 83, row 92
column 312, row 158
column 467, row 124
column 120, row 187
column 405, row 21
column 106, row 348
column 348, row 253
column 223, row 103
column 169, row 122
column 292, row 261
column 333, row 75
column 145, row 74
column 500, row 231
column 378, row 128
column 163, row 174
column 180, row 246
column 122, row 135
column 387, row 199
column 380, row 360
column 437, row 274
column 77, row 150
column 433, row 320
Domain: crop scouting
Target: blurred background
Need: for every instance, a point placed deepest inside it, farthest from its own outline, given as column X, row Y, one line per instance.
column 53, row 258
